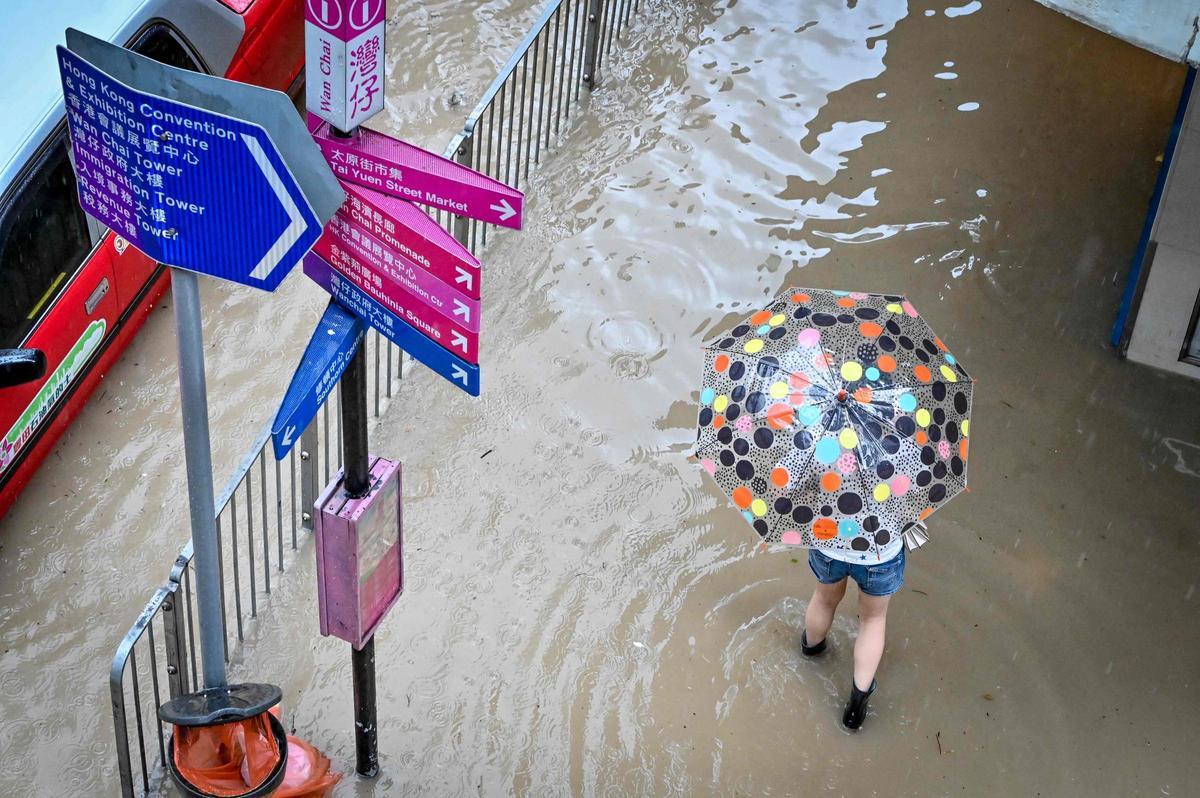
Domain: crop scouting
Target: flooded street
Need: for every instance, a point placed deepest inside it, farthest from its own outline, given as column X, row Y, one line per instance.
column 584, row 613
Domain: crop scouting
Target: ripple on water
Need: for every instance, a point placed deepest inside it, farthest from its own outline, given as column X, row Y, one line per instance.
column 630, row 342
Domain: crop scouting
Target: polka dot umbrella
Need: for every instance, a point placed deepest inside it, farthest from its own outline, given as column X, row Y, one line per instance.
column 835, row 420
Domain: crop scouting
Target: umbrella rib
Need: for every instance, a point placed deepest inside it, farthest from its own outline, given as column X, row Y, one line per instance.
column 866, row 494
column 812, row 455
column 851, row 341
column 829, row 386
column 888, row 424
column 903, row 439
column 804, row 470
column 759, row 423
column 834, row 383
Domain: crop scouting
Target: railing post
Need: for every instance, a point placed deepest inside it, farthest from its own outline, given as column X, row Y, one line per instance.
column 116, row 689
column 591, row 44
column 175, row 642
column 308, row 475
column 465, row 155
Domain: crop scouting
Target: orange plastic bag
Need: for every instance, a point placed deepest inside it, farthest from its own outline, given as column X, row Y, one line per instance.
column 308, row 770
column 228, row 759
column 308, row 774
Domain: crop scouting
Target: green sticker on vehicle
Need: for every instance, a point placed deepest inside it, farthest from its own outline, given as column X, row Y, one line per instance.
column 56, row 385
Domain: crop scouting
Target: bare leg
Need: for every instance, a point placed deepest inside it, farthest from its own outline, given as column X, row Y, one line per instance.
column 868, row 650
column 819, row 615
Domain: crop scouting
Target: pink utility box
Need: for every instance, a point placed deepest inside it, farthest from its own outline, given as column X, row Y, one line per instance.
column 360, row 567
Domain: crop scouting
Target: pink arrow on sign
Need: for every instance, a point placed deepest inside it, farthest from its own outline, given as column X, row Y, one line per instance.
column 407, row 172
column 447, row 330
column 410, row 232
column 453, row 304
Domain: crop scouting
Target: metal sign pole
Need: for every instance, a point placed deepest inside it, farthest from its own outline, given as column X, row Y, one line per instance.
column 356, row 467
column 343, row 49
column 193, row 397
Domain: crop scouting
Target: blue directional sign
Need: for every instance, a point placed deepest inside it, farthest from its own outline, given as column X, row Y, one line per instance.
column 457, row 371
column 188, row 186
column 329, row 351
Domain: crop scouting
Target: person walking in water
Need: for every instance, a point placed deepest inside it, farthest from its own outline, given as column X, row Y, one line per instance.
column 876, row 581
column 838, row 422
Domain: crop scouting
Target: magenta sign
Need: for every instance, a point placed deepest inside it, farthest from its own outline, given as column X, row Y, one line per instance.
column 344, row 55
column 420, row 301
column 410, row 233
column 375, row 253
column 410, row 173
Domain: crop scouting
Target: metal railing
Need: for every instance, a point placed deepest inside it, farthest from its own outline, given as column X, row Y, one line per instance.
column 264, row 506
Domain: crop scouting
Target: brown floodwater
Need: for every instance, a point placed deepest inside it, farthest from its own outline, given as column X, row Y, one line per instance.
column 584, row 614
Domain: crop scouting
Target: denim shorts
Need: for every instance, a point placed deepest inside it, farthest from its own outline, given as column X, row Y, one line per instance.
column 874, row 579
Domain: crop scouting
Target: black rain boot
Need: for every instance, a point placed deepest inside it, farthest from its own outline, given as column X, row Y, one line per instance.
column 856, row 707
column 811, row 651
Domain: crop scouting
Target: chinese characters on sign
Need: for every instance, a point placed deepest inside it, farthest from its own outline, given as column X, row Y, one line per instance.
column 190, row 188
column 441, row 360
column 426, row 303
column 411, row 233
column 407, row 172
column 380, row 256
column 343, row 48
column 329, row 351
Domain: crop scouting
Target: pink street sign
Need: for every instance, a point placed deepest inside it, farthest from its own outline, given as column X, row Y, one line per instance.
column 403, row 298
column 345, row 19
column 410, row 173
column 360, row 567
column 408, row 231
column 344, row 52
column 408, row 275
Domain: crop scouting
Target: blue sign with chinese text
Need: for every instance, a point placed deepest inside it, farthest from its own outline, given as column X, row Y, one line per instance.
column 188, row 186
column 327, row 355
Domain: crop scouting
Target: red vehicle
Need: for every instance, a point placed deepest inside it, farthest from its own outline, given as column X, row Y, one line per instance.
column 69, row 286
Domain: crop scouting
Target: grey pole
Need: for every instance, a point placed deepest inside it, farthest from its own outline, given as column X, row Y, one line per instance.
column 193, row 399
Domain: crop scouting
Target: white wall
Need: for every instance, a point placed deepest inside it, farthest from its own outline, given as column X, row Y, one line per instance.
column 1165, row 27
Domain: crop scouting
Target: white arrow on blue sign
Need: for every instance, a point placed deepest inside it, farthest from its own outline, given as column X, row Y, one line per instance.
column 185, row 184
column 327, row 355
column 454, row 369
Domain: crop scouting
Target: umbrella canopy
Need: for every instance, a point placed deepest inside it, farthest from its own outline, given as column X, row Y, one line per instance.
column 835, row 420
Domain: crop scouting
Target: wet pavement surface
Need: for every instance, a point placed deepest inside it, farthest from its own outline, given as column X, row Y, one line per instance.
column 584, row 613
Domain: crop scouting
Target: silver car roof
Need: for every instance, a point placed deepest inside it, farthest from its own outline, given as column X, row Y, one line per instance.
column 31, row 102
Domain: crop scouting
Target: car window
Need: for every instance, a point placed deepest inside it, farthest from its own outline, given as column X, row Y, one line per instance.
column 43, row 239
column 44, row 234
column 163, row 45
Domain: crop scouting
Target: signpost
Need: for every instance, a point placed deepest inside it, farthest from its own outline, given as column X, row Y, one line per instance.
column 393, row 265
column 333, row 343
column 395, row 269
column 343, row 48
column 344, row 53
column 407, row 172
column 446, row 298
column 160, row 159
